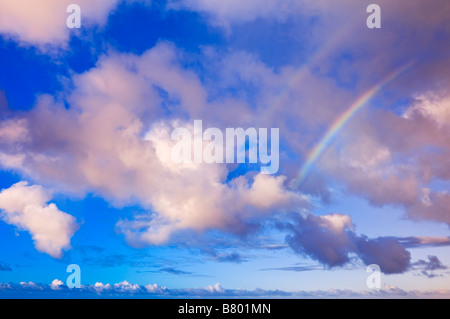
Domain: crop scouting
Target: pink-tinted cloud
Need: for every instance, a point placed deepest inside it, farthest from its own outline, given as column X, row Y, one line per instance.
column 27, row 208
column 114, row 142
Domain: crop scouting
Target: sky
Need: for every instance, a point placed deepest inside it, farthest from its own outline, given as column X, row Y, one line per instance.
column 87, row 175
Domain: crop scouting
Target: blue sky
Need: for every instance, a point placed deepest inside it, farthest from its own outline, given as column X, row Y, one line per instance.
column 86, row 175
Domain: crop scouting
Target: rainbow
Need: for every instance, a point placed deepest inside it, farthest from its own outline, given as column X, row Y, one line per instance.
column 339, row 123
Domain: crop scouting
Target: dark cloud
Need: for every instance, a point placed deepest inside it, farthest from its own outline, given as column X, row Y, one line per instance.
column 428, row 268
column 174, row 271
column 331, row 240
column 231, row 257
column 386, row 252
column 313, row 236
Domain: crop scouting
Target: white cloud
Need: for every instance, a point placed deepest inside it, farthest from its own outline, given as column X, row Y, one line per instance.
column 217, row 288
column 56, row 284
column 26, row 207
column 100, row 287
column 154, row 288
column 126, row 287
column 336, row 222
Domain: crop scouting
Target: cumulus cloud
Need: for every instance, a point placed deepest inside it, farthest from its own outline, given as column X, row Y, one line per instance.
column 388, row 253
column 113, row 141
column 324, row 238
column 215, row 288
column 56, row 284
column 126, row 287
column 26, row 207
column 100, row 287
column 155, row 289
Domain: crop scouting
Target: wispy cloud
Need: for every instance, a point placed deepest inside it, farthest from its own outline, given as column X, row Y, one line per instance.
column 298, row 268
column 429, row 268
column 231, row 257
column 5, row 267
column 174, row 271
column 428, row 241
